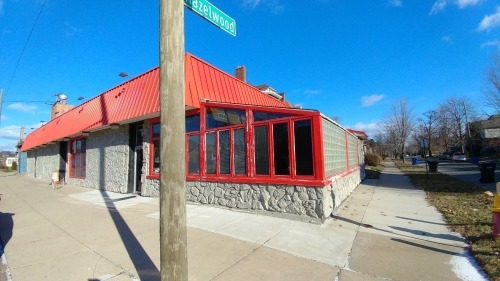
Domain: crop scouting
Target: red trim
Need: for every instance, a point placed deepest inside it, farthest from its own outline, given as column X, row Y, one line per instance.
column 318, row 149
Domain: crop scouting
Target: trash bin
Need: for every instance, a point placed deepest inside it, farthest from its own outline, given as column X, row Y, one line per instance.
column 433, row 166
column 487, row 172
column 414, row 161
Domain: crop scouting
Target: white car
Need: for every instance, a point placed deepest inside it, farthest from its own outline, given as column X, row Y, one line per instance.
column 458, row 157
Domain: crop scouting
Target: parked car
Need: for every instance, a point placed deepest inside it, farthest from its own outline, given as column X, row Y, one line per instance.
column 458, row 156
column 445, row 156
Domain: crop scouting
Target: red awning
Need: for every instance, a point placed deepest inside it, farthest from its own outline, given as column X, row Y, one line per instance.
column 138, row 99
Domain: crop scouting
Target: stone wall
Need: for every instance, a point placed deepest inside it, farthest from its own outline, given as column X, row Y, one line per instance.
column 316, row 202
column 43, row 161
column 107, row 157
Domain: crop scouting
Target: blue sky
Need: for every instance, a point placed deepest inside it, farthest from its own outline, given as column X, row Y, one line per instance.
column 350, row 59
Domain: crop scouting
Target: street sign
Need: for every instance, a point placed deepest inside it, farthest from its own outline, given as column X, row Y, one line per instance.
column 211, row 13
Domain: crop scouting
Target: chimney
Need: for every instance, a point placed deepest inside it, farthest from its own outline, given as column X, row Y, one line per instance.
column 241, row 73
column 282, row 96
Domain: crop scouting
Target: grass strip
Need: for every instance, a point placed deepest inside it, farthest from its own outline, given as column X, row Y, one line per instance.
column 467, row 210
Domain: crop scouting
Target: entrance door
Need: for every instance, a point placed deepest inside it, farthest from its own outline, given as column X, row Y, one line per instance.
column 138, row 159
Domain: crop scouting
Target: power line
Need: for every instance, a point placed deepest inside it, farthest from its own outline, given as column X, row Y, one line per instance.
column 25, row 44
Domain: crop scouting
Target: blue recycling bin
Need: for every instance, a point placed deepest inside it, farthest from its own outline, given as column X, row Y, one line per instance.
column 414, row 161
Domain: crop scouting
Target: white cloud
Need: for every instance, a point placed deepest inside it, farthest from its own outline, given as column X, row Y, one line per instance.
column 251, row 3
column 464, row 3
column 371, row 129
column 371, row 100
column 441, row 4
column 438, row 6
column 396, row 3
column 312, row 92
column 274, row 5
column 494, row 43
column 10, row 132
column 23, row 107
column 490, row 21
column 447, row 38
column 70, row 30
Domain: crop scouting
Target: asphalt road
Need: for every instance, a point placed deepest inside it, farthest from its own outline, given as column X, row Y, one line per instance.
column 466, row 171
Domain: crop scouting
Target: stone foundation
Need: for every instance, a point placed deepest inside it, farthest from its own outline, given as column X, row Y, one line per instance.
column 316, row 202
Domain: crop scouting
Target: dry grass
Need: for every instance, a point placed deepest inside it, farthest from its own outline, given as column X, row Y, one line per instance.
column 467, row 210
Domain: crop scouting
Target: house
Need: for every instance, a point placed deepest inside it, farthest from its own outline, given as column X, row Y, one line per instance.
column 489, row 131
column 6, row 159
column 245, row 149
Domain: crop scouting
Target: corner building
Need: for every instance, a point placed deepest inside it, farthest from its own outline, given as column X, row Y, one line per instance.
column 244, row 149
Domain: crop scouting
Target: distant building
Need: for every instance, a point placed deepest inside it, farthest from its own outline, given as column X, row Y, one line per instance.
column 489, row 131
column 6, row 158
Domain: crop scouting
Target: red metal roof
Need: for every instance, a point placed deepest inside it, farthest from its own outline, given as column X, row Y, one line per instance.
column 360, row 134
column 138, row 99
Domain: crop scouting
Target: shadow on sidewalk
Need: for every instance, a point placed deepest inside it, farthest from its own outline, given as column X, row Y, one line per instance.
column 417, row 232
column 144, row 265
column 6, row 227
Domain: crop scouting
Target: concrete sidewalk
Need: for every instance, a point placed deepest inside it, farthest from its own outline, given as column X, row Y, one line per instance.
column 384, row 231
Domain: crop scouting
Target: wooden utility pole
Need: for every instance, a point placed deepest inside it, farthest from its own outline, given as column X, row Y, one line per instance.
column 173, row 235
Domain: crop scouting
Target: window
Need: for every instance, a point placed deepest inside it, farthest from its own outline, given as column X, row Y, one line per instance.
column 210, row 152
column 222, row 117
column 261, row 151
column 240, row 155
column 224, row 153
column 262, row 116
column 303, row 147
column 192, row 123
column 155, row 140
column 281, row 154
column 193, row 154
column 78, row 158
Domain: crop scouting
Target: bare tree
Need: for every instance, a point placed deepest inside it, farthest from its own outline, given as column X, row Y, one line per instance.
column 491, row 92
column 429, row 128
column 456, row 113
column 399, row 124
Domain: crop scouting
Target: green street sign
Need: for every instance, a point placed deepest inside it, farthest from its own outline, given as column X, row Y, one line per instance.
column 211, row 13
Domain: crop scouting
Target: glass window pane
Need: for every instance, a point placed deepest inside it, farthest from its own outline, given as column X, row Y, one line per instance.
column 303, row 148
column 194, row 154
column 221, row 117
column 262, row 115
column 224, row 153
column 281, row 155
column 240, row 156
column 192, row 123
column 261, row 151
column 156, row 156
column 210, row 153
column 156, row 129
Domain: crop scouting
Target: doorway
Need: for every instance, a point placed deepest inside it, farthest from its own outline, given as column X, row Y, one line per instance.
column 138, row 161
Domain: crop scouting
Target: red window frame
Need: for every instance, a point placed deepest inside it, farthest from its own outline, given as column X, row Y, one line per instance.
column 80, row 155
column 316, row 179
column 290, row 121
